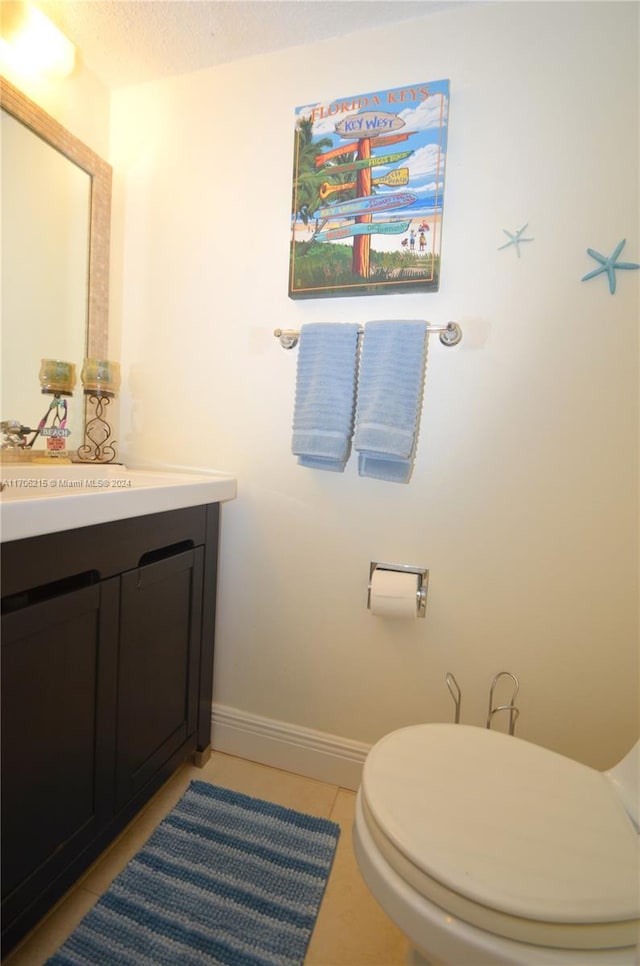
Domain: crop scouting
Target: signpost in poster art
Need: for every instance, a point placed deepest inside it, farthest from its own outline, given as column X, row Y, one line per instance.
column 368, row 186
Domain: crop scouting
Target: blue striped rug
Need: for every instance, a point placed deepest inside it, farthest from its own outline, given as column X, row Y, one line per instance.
column 224, row 879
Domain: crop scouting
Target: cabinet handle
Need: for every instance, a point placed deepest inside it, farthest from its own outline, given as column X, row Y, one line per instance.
column 57, row 588
column 153, row 556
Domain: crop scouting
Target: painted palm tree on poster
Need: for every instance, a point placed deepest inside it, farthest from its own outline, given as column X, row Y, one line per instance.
column 368, row 187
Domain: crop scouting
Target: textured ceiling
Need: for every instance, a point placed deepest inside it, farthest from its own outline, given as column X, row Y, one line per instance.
column 129, row 41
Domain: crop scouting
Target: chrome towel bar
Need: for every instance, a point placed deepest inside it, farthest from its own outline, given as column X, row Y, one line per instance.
column 450, row 334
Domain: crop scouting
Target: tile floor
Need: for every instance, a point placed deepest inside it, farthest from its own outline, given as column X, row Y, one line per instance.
column 351, row 929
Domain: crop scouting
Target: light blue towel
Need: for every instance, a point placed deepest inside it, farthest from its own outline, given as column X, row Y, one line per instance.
column 391, row 381
column 325, row 395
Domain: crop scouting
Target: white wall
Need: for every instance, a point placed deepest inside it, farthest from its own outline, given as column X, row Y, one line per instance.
column 523, row 502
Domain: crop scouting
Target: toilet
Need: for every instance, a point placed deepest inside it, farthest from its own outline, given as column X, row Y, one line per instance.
column 486, row 849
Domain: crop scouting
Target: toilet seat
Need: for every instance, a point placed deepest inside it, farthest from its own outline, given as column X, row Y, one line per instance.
column 505, row 835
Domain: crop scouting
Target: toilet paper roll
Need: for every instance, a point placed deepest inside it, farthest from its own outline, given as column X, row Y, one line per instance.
column 394, row 594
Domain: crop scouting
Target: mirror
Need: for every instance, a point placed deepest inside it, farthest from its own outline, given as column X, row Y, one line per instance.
column 56, row 209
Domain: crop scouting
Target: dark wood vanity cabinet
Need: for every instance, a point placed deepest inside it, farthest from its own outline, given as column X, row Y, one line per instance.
column 107, row 672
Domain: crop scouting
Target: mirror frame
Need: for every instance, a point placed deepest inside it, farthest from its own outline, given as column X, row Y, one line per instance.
column 26, row 111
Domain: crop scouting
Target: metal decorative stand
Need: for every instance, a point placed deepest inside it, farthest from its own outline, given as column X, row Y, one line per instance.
column 98, row 446
column 510, row 708
column 455, row 692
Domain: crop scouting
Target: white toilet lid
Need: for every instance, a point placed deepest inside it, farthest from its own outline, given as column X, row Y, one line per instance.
column 506, row 835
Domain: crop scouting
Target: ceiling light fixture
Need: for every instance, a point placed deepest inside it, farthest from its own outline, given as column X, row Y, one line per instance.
column 30, row 44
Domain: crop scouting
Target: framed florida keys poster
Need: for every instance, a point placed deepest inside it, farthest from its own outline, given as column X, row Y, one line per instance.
column 368, row 187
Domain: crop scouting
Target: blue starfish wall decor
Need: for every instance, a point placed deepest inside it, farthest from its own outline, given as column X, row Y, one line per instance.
column 515, row 239
column 609, row 265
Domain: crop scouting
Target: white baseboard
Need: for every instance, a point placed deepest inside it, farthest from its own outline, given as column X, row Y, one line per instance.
column 303, row 751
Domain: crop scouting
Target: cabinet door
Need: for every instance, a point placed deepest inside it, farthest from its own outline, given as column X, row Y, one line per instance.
column 58, row 734
column 158, row 667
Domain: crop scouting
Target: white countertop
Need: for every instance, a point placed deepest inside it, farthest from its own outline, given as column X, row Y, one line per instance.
column 37, row 499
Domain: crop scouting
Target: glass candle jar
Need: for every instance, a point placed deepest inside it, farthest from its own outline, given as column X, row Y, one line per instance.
column 100, row 375
column 57, row 378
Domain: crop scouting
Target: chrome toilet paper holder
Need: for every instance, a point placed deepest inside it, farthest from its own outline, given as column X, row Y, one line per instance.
column 421, row 573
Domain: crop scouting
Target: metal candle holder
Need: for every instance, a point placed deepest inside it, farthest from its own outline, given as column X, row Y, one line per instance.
column 98, row 446
column 100, row 379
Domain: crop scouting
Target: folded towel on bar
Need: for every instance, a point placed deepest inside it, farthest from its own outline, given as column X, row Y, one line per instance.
column 325, row 395
column 390, row 385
